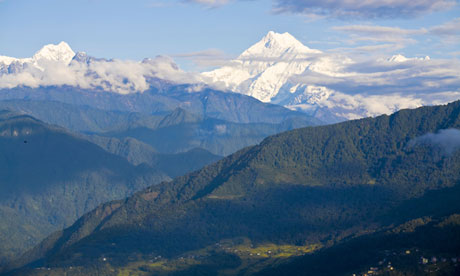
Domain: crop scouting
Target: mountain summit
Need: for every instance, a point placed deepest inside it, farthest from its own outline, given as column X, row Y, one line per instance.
column 265, row 67
column 277, row 45
column 52, row 52
column 330, row 86
column 55, row 52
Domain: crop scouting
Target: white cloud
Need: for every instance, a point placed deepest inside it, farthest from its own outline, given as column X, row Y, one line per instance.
column 390, row 75
column 377, row 86
column 115, row 75
column 354, row 106
column 447, row 140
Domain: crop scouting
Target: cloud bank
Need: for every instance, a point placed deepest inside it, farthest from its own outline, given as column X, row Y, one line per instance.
column 374, row 86
column 121, row 76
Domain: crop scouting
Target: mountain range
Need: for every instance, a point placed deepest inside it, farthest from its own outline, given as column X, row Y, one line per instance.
column 278, row 69
column 126, row 167
column 332, row 86
column 310, row 191
column 218, row 122
column 148, row 134
column 161, row 133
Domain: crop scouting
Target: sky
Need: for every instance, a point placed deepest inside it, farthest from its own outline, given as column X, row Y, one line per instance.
column 190, row 30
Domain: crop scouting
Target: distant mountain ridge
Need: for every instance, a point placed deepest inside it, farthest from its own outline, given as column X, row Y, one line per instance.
column 216, row 121
column 212, row 103
column 314, row 187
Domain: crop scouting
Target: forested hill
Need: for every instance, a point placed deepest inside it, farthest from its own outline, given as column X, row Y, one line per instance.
column 49, row 177
column 310, row 186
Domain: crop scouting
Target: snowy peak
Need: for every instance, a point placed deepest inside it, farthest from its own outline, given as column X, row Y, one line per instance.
column 7, row 60
column 400, row 58
column 265, row 67
column 277, row 45
column 164, row 61
column 52, row 52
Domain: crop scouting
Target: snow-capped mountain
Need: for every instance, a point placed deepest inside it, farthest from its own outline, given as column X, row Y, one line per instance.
column 267, row 71
column 264, row 68
column 61, row 53
column 330, row 85
column 334, row 87
column 401, row 58
column 57, row 65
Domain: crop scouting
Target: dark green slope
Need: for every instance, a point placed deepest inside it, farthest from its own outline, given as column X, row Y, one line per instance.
column 169, row 131
column 181, row 131
column 231, row 107
column 49, row 177
column 81, row 118
column 216, row 136
column 137, row 152
column 393, row 251
column 316, row 185
column 175, row 165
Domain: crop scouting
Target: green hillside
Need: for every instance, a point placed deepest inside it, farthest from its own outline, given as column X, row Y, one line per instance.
column 423, row 246
column 137, row 152
column 293, row 194
column 49, row 178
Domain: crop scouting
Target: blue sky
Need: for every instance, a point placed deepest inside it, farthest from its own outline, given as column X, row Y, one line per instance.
column 187, row 30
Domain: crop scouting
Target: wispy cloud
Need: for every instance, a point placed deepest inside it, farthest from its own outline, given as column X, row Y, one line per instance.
column 210, row 3
column 375, row 33
column 358, row 9
column 451, row 28
column 206, row 58
column 375, row 37
column 447, row 140
column 449, row 32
